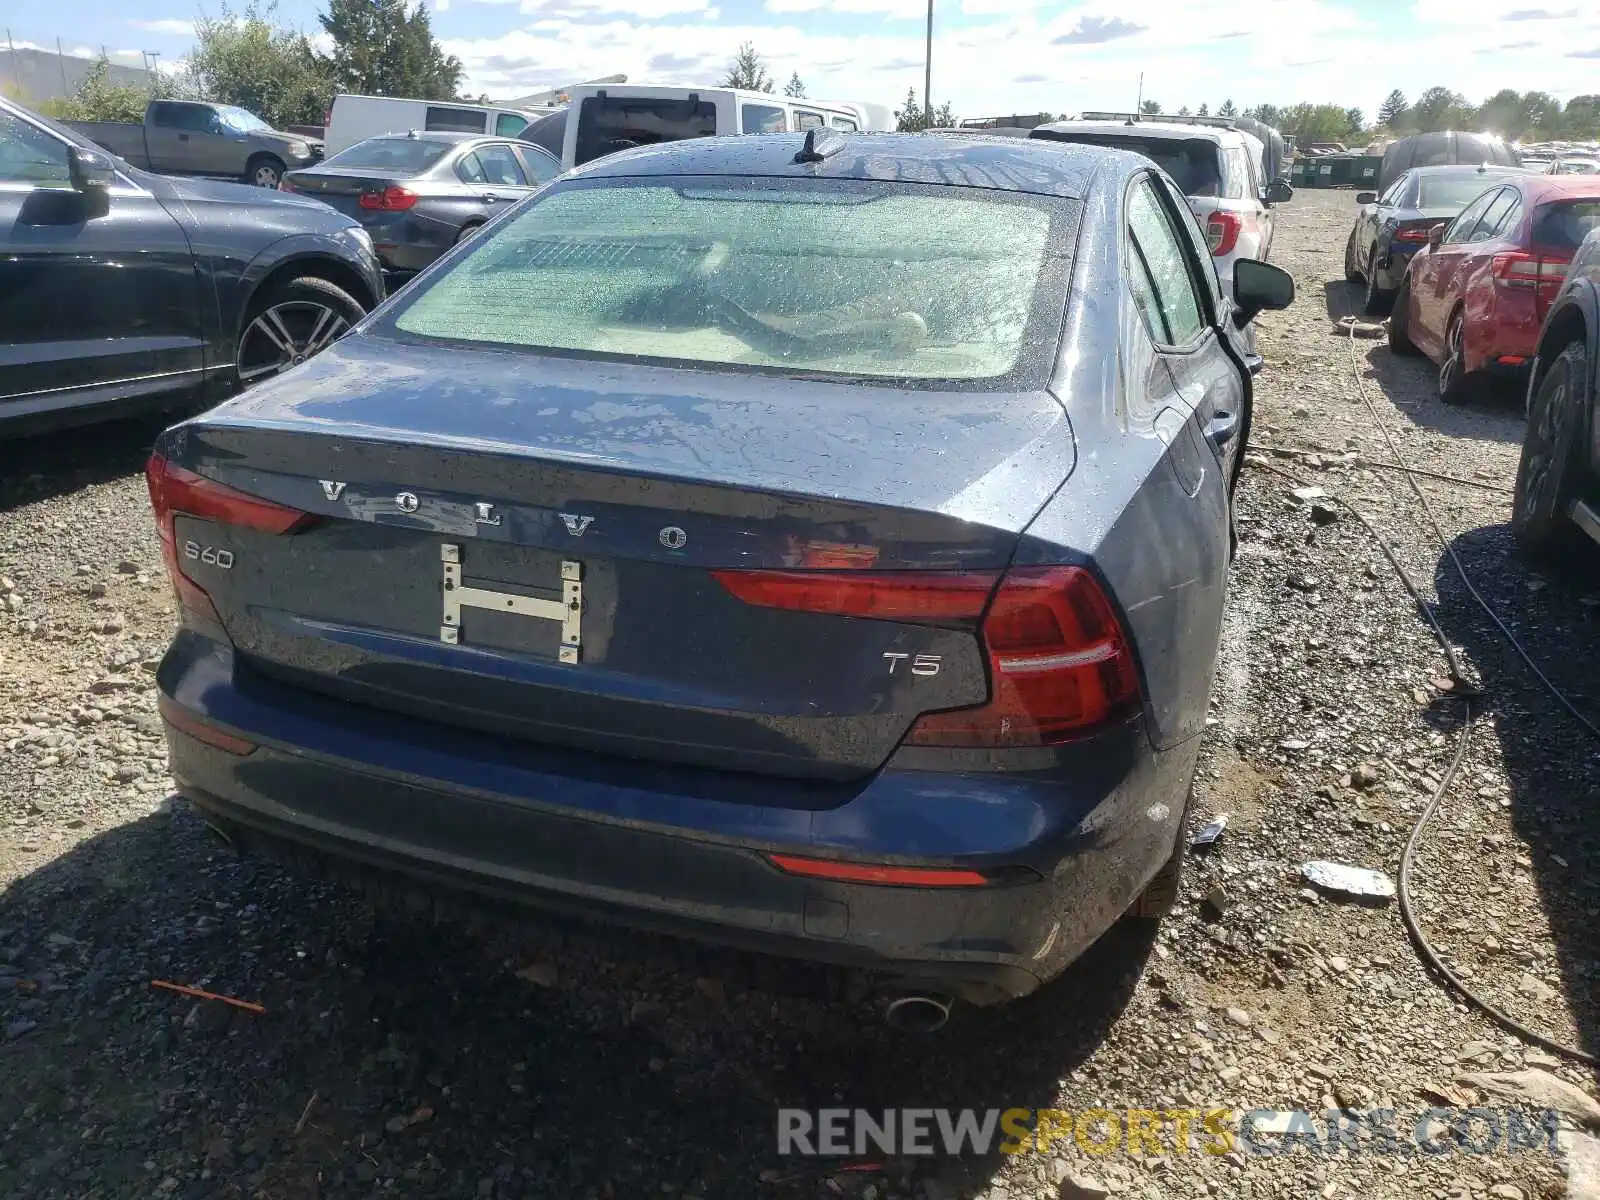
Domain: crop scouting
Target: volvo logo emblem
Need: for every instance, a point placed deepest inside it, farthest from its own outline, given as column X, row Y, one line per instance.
column 673, row 538
column 576, row 523
column 332, row 488
column 406, row 502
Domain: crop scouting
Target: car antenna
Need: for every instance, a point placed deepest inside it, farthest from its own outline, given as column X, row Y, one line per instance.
column 820, row 144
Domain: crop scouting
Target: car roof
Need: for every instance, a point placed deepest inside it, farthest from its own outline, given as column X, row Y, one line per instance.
column 1484, row 169
column 960, row 160
column 1562, row 187
column 1163, row 130
column 434, row 135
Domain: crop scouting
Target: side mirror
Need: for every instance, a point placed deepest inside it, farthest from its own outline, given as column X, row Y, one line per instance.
column 1366, row 197
column 1279, row 192
column 1436, row 235
column 90, row 170
column 1258, row 286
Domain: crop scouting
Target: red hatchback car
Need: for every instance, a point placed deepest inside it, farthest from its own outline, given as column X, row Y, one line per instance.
column 1473, row 301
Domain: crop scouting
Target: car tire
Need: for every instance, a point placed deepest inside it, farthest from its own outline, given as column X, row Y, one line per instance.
column 1456, row 384
column 468, row 232
column 264, row 171
column 1399, row 334
column 1378, row 299
column 288, row 323
column 1351, row 274
column 1549, row 472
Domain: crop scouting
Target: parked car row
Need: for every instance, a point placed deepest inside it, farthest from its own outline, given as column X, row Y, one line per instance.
column 1493, row 272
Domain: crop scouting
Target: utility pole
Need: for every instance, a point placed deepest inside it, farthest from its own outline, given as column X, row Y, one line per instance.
column 1138, row 105
column 61, row 61
column 153, row 67
column 16, row 67
column 927, row 72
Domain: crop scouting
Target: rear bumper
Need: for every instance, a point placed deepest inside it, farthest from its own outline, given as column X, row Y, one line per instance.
column 471, row 813
column 1390, row 266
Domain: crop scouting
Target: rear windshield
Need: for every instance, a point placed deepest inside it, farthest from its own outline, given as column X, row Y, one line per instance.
column 854, row 279
column 1562, row 226
column 1193, row 164
column 1454, row 191
column 410, row 156
column 608, row 124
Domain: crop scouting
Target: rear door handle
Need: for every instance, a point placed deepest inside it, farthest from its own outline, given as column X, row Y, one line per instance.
column 490, row 197
column 1222, row 428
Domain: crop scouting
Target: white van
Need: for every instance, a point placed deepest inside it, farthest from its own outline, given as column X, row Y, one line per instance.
column 602, row 119
column 354, row 119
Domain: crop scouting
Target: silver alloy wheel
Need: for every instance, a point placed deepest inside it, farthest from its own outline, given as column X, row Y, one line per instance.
column 266, row 176
column 1448, row 373
column 284, row 335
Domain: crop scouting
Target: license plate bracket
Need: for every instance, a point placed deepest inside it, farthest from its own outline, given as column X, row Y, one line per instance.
column 458, row 594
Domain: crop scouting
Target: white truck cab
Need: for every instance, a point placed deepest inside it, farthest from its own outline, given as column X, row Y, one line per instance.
column 604, row 118
column 355, row 118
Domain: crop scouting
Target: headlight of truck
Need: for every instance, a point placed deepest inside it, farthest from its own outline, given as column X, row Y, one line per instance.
column 299, row 150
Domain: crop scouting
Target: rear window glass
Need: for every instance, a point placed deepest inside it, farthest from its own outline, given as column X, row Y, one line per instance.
column 863, row 280
column 455, row 120
column 1193, row 165
column 1453, row 191
column 607, row 124
column 1563, row 226
column 409, row 155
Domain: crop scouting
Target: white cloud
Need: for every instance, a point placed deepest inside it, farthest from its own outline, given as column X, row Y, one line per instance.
column 1024, row 57
column 172, row 26
column 644, row 10
column 894, row 9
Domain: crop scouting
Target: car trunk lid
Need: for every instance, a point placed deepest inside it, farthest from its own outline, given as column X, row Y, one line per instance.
column 535, row 547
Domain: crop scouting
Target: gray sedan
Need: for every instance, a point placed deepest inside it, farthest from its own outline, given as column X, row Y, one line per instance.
column 419, row 193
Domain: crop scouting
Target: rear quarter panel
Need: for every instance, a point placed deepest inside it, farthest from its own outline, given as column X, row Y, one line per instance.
column 1159, row 544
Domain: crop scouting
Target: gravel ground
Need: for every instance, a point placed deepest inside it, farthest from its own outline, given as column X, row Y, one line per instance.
column 426, row 1054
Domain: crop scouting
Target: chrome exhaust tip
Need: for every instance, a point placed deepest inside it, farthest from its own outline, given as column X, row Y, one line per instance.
column 918, row 1013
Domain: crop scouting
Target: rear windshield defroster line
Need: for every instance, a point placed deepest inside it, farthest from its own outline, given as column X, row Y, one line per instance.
column 906, row 284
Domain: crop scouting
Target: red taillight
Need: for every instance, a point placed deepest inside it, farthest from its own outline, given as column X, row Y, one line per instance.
column 174, row 490
column 1540, row 273
column 1059, row 666
column 1059, row 662
column 1222, row 232
column 391, row 199
column 1414, row 233
column 883, row 595
column 849, row 872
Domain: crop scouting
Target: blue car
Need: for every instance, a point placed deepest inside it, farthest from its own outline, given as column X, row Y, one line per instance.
column 810, row 544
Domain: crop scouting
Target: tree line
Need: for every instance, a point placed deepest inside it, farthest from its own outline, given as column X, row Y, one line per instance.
column 1517, row 116
column 250, row 59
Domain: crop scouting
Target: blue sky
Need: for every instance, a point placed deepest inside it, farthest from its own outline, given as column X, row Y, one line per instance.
column 990, row 56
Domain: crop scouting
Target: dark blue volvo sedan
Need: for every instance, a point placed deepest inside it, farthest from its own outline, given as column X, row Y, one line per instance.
column 816, row 545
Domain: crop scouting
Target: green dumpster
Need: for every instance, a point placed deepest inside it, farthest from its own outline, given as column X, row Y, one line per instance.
column 1365, row 177
column 1299, row 174
column 1333, row 170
